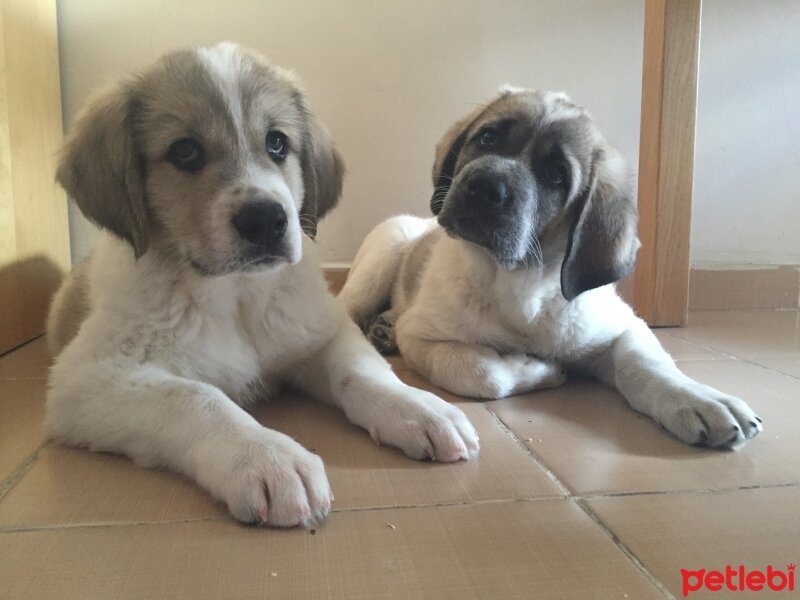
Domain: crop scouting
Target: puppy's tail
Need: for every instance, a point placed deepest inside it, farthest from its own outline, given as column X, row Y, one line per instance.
column 69, row 308
column 368, row 289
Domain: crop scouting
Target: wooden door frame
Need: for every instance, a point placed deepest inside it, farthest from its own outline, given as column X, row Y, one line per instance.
column 666, row 159
column 34, row 236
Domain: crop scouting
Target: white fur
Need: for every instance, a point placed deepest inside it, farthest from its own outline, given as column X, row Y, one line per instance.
column 224, row 62
column 558, row 107
column 476, row 329
column 166, row 358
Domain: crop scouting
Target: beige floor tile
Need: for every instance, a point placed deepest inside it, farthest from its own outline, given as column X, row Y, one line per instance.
column 595, row 443
column 514, row 550
column 68, row 486
column 364, row 475
column 754, row 528
column 789, row 366
column 745, row 333
column 75, row 486
column 683, row 350
column 31, row 361
column 21, row 415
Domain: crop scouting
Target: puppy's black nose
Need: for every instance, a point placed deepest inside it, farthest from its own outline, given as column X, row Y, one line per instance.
column 261, row 223
column 487, row 187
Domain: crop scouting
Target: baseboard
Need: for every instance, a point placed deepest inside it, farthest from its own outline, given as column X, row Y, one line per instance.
column 335, row 276
column 745, row 288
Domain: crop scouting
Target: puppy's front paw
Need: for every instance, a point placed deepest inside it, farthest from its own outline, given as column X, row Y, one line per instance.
column 273, row 480
column 426, row 427
column 704, row 416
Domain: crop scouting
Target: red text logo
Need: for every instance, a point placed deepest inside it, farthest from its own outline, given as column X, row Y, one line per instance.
column 738, row 579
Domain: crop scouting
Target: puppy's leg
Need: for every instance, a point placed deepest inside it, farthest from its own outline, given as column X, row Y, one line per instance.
column 641, row 369
column 478, row 371
column 349, row 373
column 158, row 419
column 375, row 267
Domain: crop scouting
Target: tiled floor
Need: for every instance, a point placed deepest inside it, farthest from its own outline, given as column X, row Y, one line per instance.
column 574, row 496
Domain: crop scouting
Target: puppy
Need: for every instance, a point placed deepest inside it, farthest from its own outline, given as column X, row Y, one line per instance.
column 204, row 295
column 536, row 220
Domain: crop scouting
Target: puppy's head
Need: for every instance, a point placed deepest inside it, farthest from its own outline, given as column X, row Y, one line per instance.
column 212, row 155
column 529, row 178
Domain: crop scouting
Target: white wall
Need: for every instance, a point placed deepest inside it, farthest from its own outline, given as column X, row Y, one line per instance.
column 747, row 172
column 388, row 77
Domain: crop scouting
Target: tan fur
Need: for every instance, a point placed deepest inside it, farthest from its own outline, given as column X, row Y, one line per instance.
column 594, row 233
column 69, row 308
column 448, row 141
column 323, row 177
column 413, row 266
column 128, row 129
column 99, row 169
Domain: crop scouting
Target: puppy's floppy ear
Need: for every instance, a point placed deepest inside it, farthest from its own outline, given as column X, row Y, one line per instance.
column 602, row 244
column 323, row 174
column 444, row 165
column 100, row 169
column 449, row 147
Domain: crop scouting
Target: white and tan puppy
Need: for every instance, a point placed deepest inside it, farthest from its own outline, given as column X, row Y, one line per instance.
column 536, row 220
column 204, row 294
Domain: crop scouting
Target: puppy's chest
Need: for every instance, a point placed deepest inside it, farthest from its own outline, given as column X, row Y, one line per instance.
column 531, row 325
column 214, row 350
column 530, row 315
column 550, row 327
column 242, row 344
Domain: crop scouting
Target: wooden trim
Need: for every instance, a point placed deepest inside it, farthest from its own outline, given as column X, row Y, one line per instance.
column 767, row 288
column 666, row 159
column 335, row 276
column 34, row 238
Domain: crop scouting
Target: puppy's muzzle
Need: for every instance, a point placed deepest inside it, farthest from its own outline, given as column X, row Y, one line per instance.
column 261, row 225
column 484, row 187
column 491, row 205
column 478, row 205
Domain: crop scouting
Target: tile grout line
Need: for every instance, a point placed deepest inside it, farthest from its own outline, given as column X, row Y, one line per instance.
column 708, row 348
column 578, row 499
column 624, row 549
column 21, row 470
column 770, row 369
column 446, row 504
column 749, row 361
column 22, row 345
column 544, row 468
column 111, row 524
column 228, row 518
column 703, row 491
column 579, row 502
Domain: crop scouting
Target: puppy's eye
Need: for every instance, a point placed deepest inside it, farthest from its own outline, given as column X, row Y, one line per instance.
column 487, row 138
column 277, row 146
column 187, row 155
column 555, row 173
